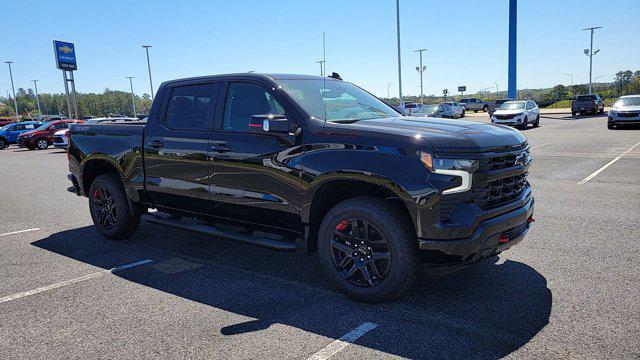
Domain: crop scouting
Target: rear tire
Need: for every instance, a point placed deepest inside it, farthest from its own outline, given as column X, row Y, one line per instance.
column 109, row 207
column 3, row 145
column 374, row 265
column 475, row 111
column 573, row 113
column 485, row 108
column 462, row 113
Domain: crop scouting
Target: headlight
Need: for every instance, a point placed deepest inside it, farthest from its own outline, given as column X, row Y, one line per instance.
column 453, row 167
column 613, row 112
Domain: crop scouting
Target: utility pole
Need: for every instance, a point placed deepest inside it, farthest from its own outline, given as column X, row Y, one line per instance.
column 589, row 52
column 133, row 97
column 146, row 48
column 421, row 70
column 399, row 59
column 13, row 90
column 388, row 85
column 35, row 85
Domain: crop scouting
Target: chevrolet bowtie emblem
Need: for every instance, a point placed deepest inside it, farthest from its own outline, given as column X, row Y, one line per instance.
column 65, row 49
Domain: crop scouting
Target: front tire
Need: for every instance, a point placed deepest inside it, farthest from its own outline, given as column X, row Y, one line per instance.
column 3, row 144
column 485, row 108
column 109, row 207
column 462, row 113
column 611, row 126
column 524, row 124
column 368, row 249
column 42, row 144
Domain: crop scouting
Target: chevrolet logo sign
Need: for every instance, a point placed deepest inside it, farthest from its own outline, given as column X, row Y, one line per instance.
column 65, row 49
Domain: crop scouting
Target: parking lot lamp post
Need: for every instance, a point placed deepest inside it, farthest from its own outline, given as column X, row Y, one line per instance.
column 35, row 85
column 133, row 97
column 13, row 90
column 571, row 75
column 399, row 58
column 589, row 52
column 496, row 90
column 146, row 48
column 421, row 70
column 388, row 86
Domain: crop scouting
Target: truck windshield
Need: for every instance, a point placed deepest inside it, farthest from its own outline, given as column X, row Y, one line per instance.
column 509, row 105
column 586, row 98
column 333, row 100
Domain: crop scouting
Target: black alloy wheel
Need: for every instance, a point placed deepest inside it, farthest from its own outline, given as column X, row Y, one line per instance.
column 360, row 252
column 105, row 207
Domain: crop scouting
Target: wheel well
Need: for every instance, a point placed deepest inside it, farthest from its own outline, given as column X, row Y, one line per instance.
column 95, row 168
column 334, row 192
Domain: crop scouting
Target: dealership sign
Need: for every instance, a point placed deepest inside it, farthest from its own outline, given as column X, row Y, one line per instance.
column 65, row 55
column 462, row 88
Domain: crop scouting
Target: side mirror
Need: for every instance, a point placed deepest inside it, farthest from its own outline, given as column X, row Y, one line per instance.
column 273, row 124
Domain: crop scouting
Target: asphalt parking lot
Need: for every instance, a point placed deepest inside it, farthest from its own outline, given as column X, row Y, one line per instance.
column 570, row 290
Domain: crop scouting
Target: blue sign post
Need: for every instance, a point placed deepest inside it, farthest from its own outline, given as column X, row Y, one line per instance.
column 513, row 39
column 65, row 53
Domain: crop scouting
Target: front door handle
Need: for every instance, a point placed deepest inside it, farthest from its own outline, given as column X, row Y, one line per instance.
column 221, row 148
column 155, row 144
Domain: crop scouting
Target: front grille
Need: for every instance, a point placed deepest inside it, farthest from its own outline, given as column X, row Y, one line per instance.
column 506, row 117
column 58, row 140
column 489, row 189
column 628, row 114
column 502, row 191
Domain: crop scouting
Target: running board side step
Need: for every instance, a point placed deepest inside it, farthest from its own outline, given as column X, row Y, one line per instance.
column 265, row 242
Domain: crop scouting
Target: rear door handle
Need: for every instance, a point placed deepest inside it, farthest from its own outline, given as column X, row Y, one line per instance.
column 155, row 144
column 221, row 148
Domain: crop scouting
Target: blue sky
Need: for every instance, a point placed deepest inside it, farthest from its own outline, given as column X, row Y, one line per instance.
column 466, row 41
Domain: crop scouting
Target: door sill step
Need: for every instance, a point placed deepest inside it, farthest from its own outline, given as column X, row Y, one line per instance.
column 262, row 241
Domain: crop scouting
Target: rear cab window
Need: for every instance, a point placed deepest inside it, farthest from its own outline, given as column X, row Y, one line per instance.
column 191, row 107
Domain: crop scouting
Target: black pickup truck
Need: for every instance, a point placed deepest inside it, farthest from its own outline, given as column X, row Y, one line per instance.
column 304, row 162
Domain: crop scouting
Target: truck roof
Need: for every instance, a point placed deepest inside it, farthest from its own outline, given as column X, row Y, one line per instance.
column 264, row 76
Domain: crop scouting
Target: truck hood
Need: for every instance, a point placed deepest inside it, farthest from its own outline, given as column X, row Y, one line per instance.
column 627, row 108
column 448, row 135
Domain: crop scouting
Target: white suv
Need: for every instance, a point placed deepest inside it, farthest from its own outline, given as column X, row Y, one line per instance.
column 625, row 111
column 517, row 113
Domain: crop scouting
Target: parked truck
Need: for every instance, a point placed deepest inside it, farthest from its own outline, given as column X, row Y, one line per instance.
column 587, row 104
column 311, row 163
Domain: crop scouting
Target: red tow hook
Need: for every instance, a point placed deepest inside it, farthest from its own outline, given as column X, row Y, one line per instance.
column 530, row 220
column 504, row 240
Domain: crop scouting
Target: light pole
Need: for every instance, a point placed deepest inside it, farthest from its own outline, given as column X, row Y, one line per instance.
column 589, row 52
column 598, row 77
column 13, row 90
column 389, row 85
column 496, row 90
column 399, row 59
column 133, row 98
column 421, row 70
column 35, row 85
column 571, row 75
column 321, row 62
column 146, row 48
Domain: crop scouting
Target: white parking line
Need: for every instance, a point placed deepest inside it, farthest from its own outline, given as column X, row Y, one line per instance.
column 19, row 231
column 595, row 173
column 343, row 342
column 595, row 127
column 541, row 145
column 72, row 281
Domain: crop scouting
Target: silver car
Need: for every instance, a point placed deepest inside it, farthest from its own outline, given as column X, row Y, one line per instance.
column 625, row 111
column 442, row 110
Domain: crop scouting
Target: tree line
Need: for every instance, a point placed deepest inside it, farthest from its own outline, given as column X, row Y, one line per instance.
column 625, row 82
column 107, row 103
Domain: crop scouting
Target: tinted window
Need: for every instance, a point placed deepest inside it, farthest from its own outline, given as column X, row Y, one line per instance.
column 586, row 97
column 191, row 107
column 245, row 100
column 18, row 128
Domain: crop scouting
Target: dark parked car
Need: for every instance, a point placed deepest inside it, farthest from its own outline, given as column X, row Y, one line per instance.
column 319, row 164
column 496, row 104
column 587, row 104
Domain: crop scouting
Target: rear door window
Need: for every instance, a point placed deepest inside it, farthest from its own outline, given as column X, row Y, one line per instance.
column 191, row 107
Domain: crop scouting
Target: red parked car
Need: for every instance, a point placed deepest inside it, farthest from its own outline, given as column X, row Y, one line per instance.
column 42, row 137
column 5, row 121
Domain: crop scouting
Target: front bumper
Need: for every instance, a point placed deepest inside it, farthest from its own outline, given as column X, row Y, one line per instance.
column 513, row 121
column 490, row 237
column 623, row 120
